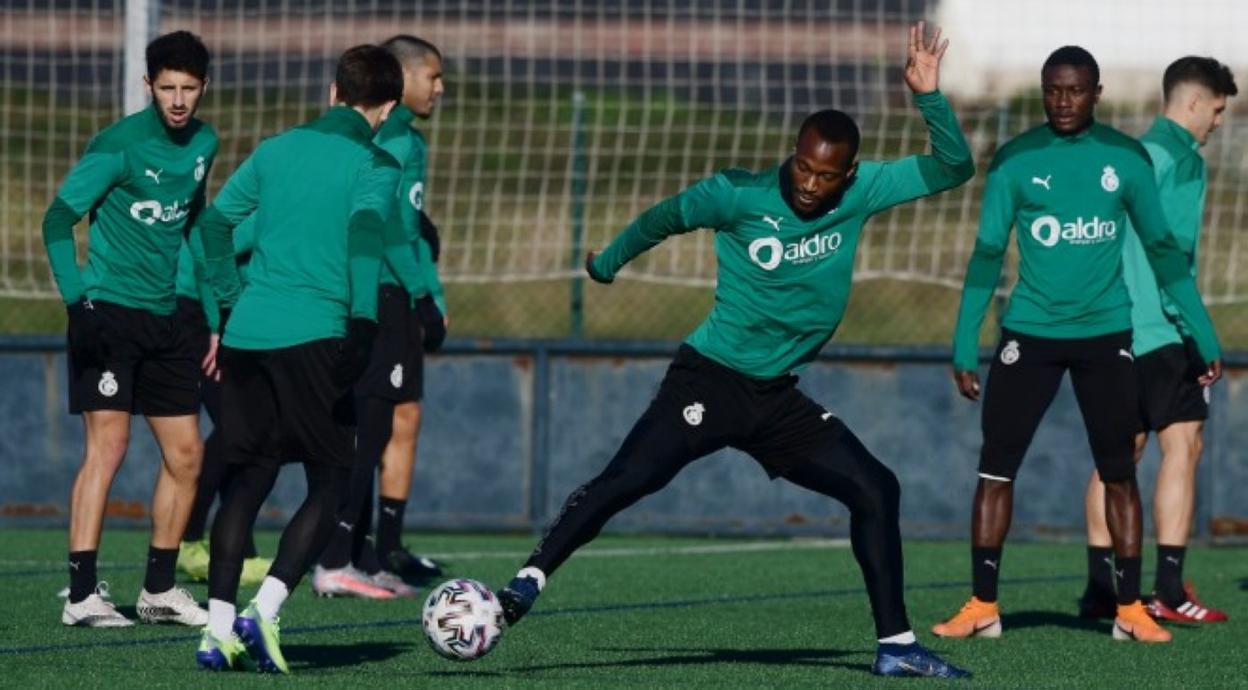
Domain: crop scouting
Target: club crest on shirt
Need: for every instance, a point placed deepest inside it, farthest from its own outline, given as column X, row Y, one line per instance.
column 1109, row 179
column 693, row 414
column 396, row 376
column 200, row 168
column 1010, row 353
column 108, row 384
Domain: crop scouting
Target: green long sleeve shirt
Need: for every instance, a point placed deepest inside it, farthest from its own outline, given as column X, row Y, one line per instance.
column 403, row 265
column 1181, row 183
column 140, row 183
column 321, row 193
column 784, row 281
column 1070, row 198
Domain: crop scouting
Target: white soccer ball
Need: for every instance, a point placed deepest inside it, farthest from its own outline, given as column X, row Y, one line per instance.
column 462, row 619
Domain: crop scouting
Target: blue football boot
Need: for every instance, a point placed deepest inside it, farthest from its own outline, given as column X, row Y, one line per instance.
column 518, row 597
column 907, row 660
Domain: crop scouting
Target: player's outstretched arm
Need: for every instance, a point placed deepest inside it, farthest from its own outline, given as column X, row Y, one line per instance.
column 950, row 163
column 709, row 203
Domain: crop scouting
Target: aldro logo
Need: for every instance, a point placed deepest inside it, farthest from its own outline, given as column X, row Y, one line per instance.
column 769, row 252
column 148, row 212
column 1048, row 230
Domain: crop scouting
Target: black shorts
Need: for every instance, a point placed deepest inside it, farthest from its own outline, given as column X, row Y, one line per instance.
column 1169, row 390
column 282, row 405
column 152, row 367
column 191, row 319
column 1023, row 380
column 396, row 370
column 710, row 406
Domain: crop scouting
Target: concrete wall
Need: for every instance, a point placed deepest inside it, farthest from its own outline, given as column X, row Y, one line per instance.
column 497, row 452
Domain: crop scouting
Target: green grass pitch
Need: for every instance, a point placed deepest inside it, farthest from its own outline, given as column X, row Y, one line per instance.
column 640, row 612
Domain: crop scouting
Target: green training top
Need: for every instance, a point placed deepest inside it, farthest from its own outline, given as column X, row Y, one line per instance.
column 192, row 286
column 1070, row 197
column 321, row 193
column 139, row 181
column 784, row 281
column 404, row 265
column 1181, row 180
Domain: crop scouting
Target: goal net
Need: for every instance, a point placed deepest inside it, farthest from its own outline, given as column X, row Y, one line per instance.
column 563, row 120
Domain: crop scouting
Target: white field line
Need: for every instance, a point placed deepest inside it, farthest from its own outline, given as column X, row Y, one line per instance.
column 456, row 556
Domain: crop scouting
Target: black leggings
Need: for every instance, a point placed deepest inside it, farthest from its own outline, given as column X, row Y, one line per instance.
column 355, row 509
column 839, row 466
column 214, row 474
column 302, row 541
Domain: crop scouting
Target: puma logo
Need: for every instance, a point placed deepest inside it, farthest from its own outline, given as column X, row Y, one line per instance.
column 1043, row 182
column 990, row 564
column 773, row 222
column 154, row 175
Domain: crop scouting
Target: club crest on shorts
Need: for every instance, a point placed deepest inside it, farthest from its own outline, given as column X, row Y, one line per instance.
column 108, row 384
column 1204, row 393
column 1109, row 179
column 693, row 414
column 396, row 376
column 1009, row 353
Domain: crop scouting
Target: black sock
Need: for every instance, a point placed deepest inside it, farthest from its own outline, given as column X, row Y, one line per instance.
column 1101, row 569
column 1169, row 581
column 338, row 553
column 1127, row 572
column 389, row 525
column 160, row 564
column 985, row 568
column 366, row 559
column 81, row 575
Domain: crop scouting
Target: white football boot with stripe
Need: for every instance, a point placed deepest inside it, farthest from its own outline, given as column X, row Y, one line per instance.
column 175, row 606
column 95, row 611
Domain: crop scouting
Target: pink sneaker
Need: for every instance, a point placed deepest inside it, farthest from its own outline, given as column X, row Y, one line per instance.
column 394, row 583
column 346, row 582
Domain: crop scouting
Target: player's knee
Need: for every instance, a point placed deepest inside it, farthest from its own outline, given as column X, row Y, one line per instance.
column 184, row 458
column 406, row 420
column 107, row 450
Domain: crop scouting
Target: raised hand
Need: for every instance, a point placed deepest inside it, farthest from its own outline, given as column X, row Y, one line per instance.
column 922, row 71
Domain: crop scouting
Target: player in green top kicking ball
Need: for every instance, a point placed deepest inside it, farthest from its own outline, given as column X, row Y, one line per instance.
column 786, row 239
column 141, row 181
column 1069, row 185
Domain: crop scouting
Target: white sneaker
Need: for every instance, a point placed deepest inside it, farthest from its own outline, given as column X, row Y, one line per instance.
column 175, row 606
column 388, row 580
column 346, row 582
column 94, row 611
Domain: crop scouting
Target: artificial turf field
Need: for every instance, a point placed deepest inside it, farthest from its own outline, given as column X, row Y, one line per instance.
column 640, row 611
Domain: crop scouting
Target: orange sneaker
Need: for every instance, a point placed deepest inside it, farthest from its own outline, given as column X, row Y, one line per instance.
column 1134, row 623
column 976, row 619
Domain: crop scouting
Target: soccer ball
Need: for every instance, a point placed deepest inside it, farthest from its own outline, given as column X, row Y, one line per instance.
column 462, row 619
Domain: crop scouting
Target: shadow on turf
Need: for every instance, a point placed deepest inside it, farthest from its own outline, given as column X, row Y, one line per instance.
column 322, row 656
column 1043, row 619
column 698, row 657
